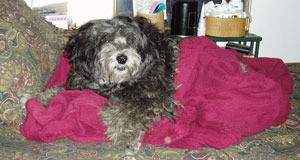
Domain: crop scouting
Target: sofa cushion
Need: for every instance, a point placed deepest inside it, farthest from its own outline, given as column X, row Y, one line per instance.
column 29, row 50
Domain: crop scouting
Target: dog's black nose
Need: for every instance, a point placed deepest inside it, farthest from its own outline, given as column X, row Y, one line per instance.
column 122, row 59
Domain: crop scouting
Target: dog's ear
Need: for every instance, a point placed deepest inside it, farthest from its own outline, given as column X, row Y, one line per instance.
column 165, row 44
column 74, row 37
column 81, row 51
column 75, row 42
column 148, row 28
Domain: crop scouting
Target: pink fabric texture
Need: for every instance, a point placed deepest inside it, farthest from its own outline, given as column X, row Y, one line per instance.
column 226, row 98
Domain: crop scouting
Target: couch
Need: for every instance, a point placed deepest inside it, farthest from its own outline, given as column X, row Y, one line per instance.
column 29, row 52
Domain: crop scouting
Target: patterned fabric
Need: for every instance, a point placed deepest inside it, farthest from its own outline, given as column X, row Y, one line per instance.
column 29, row 50
column 276, row 143
column 29, row 47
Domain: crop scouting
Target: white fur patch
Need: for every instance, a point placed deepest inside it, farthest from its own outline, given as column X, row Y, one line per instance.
column 114, row 72
column 120, row 40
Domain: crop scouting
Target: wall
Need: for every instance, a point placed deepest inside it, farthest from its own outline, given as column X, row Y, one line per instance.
column 279, row 25
column 81, row 11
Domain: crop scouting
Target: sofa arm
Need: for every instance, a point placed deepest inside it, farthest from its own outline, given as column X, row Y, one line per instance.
column 29, row 51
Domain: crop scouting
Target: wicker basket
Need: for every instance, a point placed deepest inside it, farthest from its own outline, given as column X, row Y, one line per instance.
column 225, row 27
column 156, row 19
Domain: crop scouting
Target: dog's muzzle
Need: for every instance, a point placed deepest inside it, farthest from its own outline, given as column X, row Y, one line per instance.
column 118, row 65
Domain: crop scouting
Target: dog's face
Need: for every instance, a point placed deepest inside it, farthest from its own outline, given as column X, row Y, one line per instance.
column 116, row 65
column 118, row 55
column 120, row 51
column 114, row 50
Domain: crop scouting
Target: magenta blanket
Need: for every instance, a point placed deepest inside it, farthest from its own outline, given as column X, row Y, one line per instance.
column 223, row 102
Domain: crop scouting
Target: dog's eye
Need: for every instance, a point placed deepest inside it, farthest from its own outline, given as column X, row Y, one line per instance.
column 103, row 41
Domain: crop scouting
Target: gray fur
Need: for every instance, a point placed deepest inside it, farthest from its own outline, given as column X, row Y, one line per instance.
column 139, row 83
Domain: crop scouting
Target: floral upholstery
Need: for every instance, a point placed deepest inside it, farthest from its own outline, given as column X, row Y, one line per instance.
column 29, row 51
column 29, row 47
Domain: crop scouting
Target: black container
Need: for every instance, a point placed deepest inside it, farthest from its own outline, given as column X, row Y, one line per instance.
column 184, row 18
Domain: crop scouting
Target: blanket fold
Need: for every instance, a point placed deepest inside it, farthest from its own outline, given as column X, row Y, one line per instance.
column 226, row 98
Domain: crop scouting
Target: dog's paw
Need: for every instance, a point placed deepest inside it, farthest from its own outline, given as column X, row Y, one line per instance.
column 46, row 96
column 133, row 149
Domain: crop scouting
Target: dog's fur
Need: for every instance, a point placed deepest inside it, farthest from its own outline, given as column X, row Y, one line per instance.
column 130, row 62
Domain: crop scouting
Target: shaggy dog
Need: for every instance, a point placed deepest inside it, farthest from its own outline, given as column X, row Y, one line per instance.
column 131, row 63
